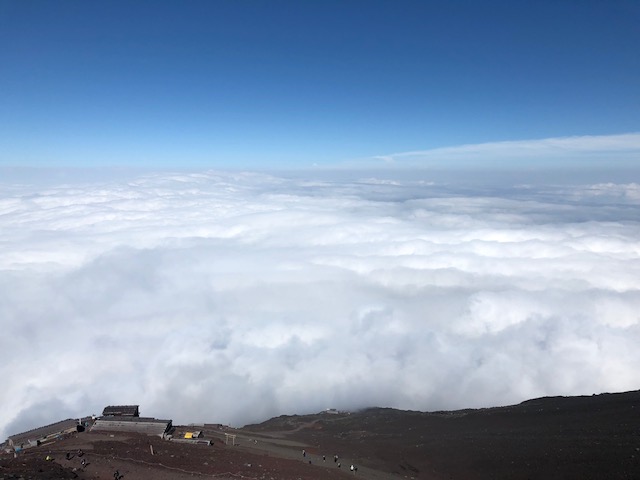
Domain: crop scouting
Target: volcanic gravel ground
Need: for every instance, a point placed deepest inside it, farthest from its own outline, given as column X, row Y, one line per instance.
column 131, row 456
column 594, row 437
column 589, row 437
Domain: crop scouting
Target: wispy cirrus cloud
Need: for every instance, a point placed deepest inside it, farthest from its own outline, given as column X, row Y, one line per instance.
column 233, row 297
column 588, row 151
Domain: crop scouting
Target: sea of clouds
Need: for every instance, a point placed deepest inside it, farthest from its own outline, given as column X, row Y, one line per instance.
column 235, row 297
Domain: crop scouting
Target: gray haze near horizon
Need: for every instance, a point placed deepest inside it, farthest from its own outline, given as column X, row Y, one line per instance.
column 233, row 297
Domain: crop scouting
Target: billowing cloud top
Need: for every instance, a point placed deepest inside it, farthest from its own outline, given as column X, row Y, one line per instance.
column 235, row 297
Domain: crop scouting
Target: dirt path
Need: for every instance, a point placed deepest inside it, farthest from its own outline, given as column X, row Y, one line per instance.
column 277, row 444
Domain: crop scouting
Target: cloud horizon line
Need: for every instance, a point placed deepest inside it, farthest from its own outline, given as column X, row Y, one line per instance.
column 571, row 149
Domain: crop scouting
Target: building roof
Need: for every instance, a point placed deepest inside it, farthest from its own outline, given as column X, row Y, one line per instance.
column 41, row 432
column 121, row 410
column 144, row 425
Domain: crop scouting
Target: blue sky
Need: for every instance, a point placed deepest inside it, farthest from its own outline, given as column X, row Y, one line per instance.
column 282, row 84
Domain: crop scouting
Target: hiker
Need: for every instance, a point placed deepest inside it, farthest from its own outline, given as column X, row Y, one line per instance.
column 335, row 458
column 304, row 453
column 324, row 458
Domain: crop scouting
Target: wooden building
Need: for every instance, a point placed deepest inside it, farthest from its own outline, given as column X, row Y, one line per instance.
column 39, row 435
column 121, row 411
column 131, row 424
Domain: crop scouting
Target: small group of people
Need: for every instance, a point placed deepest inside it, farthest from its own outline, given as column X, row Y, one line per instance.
column 116, row 475
column 78, row 454
column 353, row 468
column 70, row 455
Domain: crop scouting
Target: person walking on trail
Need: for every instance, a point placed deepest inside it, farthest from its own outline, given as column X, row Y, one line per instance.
column 335, row 458
column 304, row 453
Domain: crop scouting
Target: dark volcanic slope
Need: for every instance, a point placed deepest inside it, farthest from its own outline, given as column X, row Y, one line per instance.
column 594, row 437
column 131, row 455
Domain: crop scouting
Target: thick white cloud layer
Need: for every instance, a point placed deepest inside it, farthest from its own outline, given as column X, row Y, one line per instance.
column 236, row 297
